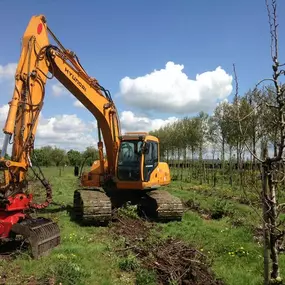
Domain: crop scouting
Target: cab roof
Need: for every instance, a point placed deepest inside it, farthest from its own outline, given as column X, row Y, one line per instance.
column 138, row 136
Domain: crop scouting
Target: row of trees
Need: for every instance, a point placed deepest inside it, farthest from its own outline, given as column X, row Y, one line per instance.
column 226, row 134
column 54, row 156
column 247, row 121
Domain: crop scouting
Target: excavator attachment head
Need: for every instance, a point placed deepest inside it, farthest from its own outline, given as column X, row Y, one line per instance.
column 41, row 234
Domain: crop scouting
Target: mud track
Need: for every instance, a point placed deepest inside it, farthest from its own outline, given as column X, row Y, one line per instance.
column 173, row 261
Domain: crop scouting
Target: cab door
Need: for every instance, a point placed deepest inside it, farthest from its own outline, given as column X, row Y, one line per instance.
column 150, row 160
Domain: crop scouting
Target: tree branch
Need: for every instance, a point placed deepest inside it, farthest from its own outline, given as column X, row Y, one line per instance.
column 239, row 121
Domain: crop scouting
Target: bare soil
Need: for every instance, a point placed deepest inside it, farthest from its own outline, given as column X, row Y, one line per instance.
column 173, row 261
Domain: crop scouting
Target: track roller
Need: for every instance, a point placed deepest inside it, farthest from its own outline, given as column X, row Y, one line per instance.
column 160, row 205
column 41, row 234
column 92, row 206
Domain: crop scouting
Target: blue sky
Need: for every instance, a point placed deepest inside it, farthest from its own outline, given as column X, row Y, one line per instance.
column 115, row 39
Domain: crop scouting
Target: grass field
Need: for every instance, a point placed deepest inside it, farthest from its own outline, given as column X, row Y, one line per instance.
column 220, row 226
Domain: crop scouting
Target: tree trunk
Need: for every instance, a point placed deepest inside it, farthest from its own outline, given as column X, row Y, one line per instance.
column 223, row 149
column 254, row 148
column 201, row 164
column 213, row 170
column 167, row 156
column 223, row 159
column 265, row 218
column 230, row 166
column 275, row 149
column 237, row 146
column 192, row 163
column 273, row 223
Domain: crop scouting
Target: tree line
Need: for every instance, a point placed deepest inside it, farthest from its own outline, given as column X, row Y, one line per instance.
column 227, row 134
column 54, row 156
column 224, row 135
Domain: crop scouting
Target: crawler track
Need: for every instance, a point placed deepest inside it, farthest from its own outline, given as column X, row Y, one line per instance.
column 92, row 206
column 160, row 205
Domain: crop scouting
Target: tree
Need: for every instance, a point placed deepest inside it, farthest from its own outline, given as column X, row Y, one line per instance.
column 42, row 156
column 58, row 156
column 272, row 119
column 221, row 126
column 90, row 155
column 74, row 157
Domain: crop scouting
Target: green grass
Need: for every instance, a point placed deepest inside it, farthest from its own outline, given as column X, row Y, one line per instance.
column 239, row 213
column 87, row 254
column 247, row 191
column 218, row 239
column 236, row 256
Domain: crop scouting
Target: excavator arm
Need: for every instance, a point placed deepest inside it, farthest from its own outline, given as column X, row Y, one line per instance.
column 38, row 59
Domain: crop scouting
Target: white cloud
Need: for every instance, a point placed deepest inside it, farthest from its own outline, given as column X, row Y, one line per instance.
column 7, row 71
column 129, row 122
column 69, row 131
column 65, row 131
column 58, row 89
column 170, row 90
column 78, row 104
column 3, row 114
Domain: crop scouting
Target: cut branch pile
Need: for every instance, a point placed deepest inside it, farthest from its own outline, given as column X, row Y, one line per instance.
column 173, row 261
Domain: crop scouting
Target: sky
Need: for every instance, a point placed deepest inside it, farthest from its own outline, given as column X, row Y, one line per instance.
column 161, row 60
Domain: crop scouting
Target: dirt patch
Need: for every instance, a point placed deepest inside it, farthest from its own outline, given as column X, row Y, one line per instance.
column 11, row 249
column 195, row 207
column 132, row 229
column 173, row 261
column 221, row 208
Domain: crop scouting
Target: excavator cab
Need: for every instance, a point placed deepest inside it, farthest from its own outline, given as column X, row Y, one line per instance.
column 137, row 158
column 129, row 160
column 138, row 165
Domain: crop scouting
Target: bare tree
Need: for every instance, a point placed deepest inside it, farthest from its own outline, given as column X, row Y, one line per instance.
column 271, row 166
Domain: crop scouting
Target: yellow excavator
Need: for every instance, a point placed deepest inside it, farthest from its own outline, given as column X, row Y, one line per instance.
column 129, row 170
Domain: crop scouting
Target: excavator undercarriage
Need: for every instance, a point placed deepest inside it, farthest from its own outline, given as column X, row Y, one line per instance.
column 93, row 206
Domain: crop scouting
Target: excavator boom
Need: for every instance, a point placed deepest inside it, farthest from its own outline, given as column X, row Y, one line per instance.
column 38, row 58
